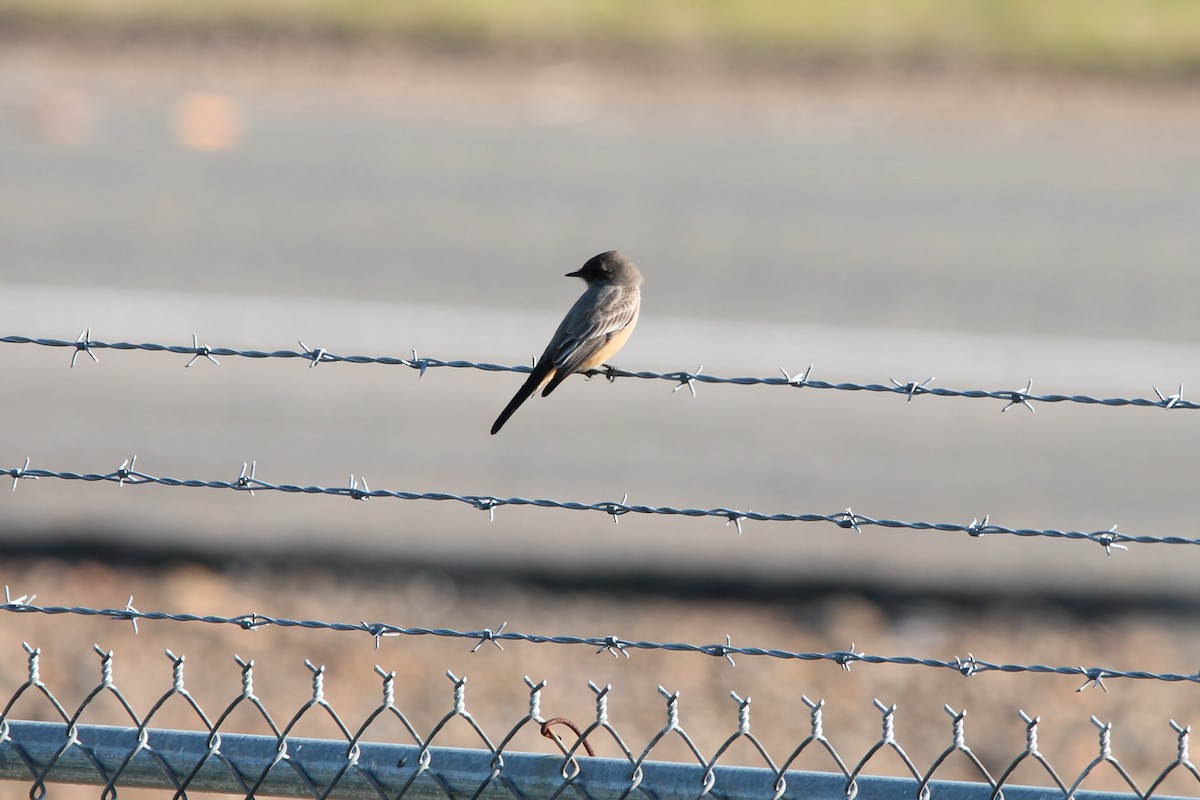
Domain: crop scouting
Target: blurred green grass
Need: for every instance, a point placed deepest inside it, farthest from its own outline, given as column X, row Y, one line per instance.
column 1124, row 36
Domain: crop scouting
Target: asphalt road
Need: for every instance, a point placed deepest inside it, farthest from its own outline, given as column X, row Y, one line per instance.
column 982, row 237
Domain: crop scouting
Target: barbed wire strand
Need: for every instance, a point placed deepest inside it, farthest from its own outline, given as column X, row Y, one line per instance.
column 357, row 489
column 614, row 645
column 1023, row 397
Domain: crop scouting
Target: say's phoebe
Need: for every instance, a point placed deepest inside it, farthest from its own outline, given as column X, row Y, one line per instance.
column 592, row 331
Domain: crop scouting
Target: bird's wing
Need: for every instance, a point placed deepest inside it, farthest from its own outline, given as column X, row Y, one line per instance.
column 590, row 330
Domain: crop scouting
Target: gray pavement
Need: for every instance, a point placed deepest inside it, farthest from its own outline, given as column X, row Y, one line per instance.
column 980, row 250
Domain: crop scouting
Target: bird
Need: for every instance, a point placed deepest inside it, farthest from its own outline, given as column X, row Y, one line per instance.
column 595, row 328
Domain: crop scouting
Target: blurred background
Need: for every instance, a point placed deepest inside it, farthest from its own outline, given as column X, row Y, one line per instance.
column 982, row 192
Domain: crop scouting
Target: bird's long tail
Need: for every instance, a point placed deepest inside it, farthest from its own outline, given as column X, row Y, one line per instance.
column 539, row 376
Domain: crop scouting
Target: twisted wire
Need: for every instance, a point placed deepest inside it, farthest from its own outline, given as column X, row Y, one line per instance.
column 910, row 389
column 125, row 474
column 612, row 644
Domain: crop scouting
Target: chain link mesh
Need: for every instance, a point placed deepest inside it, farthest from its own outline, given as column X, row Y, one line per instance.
column 217, row 757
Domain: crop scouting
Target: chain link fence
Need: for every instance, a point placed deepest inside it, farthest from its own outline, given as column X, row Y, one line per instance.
column 216, row 756
column 244, row 746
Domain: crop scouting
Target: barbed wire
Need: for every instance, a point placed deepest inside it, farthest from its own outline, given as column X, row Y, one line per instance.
column 1094, row 676
column 1023, row 397
column 427, row 766
column 357, row 489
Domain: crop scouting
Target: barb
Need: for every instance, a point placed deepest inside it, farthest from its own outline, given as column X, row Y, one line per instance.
column 680, row 378
column 1109, row 539
column 601, row 644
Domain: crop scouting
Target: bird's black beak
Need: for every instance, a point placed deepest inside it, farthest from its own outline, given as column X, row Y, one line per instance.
column 576, row 274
